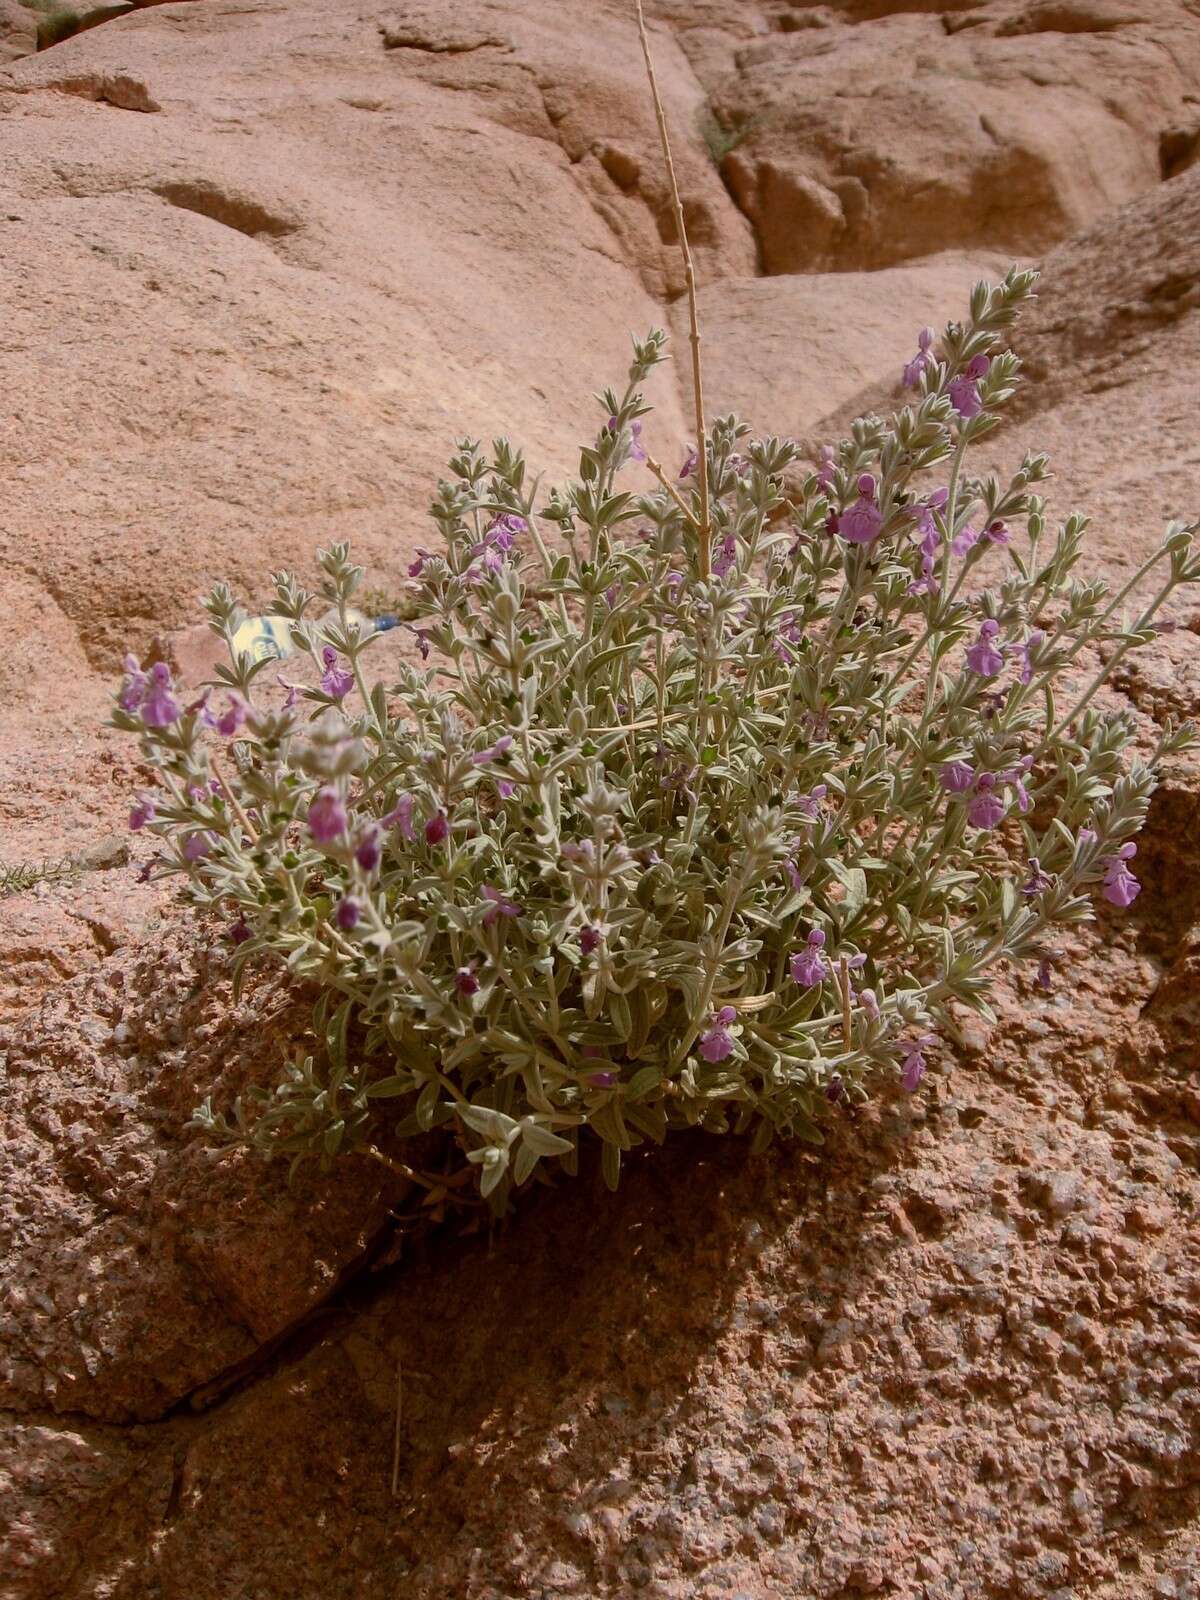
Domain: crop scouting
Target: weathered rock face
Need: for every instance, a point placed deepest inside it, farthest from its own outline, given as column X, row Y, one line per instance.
column 1010, row 124
column 261, row 264
column 18, row 31
column 140, row 1265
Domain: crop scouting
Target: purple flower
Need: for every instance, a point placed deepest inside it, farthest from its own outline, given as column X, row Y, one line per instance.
column 293, row 691
column 401, row 816
column 725, row 561
column 869, row 1004
column 465, row 981
column 160, row 707
column 240, row 931
column 1016, row 776
column 234, row 718
column 996, row 533
column 987, row 808
column 716, row 1042
column 826, row 469
column 327, row 819
column 835, row 1090
column 809, row 805
column 861, row 522
column 590, row 939
column 985, row 657
column 501, row 746
column 335, row 680
column 499, row 905
column 505, row 788
column 346, row 913
column 133, row 690
column 421, row 635
column 142, row 813
column 1121, row 888
column 197, row 845
column 369, row 848
column 1049, row 958
column 437, row 829
column 1034, row 642
column 602, row 1080
column 914, row 368
column 633, row 450
column 1037, row 881
column 964, row 541
column 808, row 966
column 690, row 462
column 417, row 566
column 964, row 390
column 956, row 777
column 912, row 1069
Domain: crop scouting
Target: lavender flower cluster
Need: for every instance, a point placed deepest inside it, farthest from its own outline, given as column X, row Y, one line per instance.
column 673, row 824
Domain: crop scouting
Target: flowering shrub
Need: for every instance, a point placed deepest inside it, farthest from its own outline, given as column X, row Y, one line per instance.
column 659, row 835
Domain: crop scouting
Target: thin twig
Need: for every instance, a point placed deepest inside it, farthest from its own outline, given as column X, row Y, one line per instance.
column 844, row 985
column 396, row 1434
column 656, row 469
column 232, row 798
column 704, row 528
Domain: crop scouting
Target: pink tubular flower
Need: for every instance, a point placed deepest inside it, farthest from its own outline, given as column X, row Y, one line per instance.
column 985, row 657
column 327, row 819
column 501, row 747
column 869, row 1004
column 996, row 533
column 808, row 966
column 197, row 845
column 465, row 980
column 1034, row 642
column 725, row 561
column 346, row 913
column 133, row 690
column 912, row 1069
column 963, row 542
column 690, row 462
column 1121, row 888
column 809, row 805
column 335, row 680
column 964, row 390
column 499, row 905
column 861, row 522
column 987, row 808
column 913, row 369
column 826, row 468
column 233, row 718
column 956, row 777
column 787, row 634
column 437, row 829
column 401, row 816
column 160, row 707
column 369, row 848
column 1037, row 881
column 602, row 1080
column 590, row 939
column 417, row 566
column 142, row 813
column 1016, row 776
column 293, row 691
column 716, row 1042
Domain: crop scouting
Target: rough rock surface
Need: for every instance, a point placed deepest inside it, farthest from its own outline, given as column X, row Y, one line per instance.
column 1011, row 124
column 261, row 263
